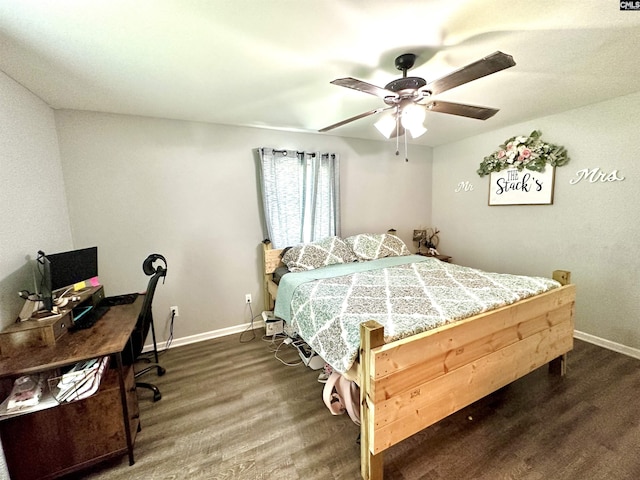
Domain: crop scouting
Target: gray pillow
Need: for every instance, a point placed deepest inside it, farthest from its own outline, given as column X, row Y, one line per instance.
column 321, row 253
column 371, row 246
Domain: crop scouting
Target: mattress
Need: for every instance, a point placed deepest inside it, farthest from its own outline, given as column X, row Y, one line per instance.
column 407, row 295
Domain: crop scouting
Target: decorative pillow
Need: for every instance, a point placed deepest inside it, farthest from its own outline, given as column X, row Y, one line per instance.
column 370, row 246
column 321, row 253
column 279, row 273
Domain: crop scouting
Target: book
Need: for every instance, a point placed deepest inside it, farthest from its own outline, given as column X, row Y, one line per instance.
column 26, row 392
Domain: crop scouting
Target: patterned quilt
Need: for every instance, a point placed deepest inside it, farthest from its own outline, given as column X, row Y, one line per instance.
column 407, row 295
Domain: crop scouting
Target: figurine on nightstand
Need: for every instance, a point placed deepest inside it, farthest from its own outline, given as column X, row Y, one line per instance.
column 428, row 238
column 432, row 241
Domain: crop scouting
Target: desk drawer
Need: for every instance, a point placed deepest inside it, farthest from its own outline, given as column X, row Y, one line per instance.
column 33, row 333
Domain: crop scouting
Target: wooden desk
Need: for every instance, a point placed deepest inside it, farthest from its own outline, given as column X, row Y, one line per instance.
column 109, row 336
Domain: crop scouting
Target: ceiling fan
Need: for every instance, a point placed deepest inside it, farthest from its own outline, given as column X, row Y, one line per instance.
column 409, row 97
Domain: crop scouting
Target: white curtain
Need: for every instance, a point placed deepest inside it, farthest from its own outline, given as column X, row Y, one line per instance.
column 300, row 194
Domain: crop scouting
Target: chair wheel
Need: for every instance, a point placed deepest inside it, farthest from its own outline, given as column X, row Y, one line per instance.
column 156, row 396
column 161, row 371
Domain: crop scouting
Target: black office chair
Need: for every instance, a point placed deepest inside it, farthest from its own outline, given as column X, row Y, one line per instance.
column 131, row 353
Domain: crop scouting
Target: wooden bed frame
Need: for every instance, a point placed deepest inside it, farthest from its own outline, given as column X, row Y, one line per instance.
column 410, row 384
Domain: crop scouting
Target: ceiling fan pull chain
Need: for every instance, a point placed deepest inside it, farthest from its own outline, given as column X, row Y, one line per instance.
column 397, row 136
column 406, row 156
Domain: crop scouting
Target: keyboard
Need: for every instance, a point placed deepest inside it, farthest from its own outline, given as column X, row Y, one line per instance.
column 125, row 299
column 88, row 317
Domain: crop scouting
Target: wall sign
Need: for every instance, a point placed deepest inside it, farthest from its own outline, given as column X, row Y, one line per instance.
column 464, row 186
column 596, row 175
column 521, row 187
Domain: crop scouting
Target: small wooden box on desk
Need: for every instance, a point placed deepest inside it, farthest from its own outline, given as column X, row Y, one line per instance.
column 40, row 332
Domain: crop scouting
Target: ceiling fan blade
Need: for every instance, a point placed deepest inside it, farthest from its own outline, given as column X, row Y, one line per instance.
column 471, row 111
column 357, row 117
column 493, row 63
column 365, row 87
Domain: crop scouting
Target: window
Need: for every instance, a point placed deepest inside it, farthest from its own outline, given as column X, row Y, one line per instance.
column 300, row 194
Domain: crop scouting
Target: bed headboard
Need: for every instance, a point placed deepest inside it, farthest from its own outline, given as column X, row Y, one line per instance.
column 271, row 261
column 272, row 258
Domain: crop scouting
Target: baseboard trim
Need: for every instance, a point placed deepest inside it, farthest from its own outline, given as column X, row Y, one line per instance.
column 608, row 344
column 223, row 332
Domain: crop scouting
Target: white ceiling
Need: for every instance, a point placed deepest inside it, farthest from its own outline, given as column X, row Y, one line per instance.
column 268, row 63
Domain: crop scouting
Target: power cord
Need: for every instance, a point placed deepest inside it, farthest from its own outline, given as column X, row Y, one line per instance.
column 149, row 356
column 250, row 327
column 286, row 341
column 170, row 339
column 272, row 339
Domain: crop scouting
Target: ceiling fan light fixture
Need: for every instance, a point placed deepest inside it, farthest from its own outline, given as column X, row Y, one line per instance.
column 412, row 116
column 417, row 131
column 386, row 125
column 412, row 119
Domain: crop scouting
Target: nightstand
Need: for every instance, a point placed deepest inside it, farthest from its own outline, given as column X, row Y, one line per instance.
column 442, row 258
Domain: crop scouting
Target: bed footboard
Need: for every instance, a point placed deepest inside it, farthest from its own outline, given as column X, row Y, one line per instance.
column 410, row 384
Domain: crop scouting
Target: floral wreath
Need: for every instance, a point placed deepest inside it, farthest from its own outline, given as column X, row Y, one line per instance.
column 524, row 152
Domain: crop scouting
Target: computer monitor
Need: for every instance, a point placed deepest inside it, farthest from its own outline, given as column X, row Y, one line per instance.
column 75, row 266
column 62, row 270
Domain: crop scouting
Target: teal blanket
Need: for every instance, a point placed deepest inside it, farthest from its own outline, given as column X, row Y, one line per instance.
column 289, row 282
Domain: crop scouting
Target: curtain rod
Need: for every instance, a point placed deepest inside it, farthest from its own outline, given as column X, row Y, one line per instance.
column 284, row 152
column 273, row 150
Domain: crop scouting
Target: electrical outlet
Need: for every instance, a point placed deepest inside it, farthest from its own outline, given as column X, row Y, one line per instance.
column 174, row 311
column 247, row 298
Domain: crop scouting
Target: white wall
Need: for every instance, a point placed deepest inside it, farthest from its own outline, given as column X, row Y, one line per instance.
column 189, row 191
column 32, row 200
column 33, row 208
column 591, row 229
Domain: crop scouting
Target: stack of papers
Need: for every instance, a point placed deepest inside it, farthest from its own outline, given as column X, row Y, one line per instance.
column 29, row 393
column 82, row 381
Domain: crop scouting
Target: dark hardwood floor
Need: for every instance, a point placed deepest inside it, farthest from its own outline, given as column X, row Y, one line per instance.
column 230, row 410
